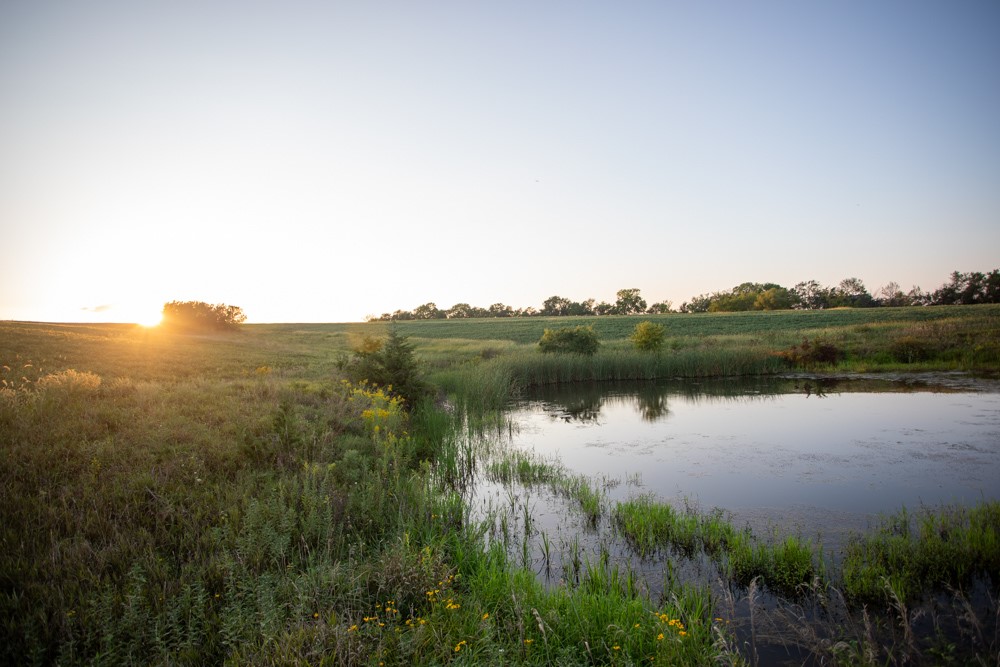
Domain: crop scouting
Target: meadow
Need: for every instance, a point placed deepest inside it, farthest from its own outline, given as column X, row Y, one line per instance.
column 231, row 498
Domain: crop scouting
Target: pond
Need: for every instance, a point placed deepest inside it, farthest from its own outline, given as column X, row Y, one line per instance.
column 820, row 459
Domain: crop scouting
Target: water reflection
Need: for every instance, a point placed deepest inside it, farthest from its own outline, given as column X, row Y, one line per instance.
column 767, row 448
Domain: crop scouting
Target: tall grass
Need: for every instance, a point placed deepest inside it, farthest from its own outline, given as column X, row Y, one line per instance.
column 239, row 510
column 181, row 499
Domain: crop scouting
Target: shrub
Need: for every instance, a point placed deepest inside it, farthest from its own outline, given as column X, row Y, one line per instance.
column 577, row 340
column 389, row 364
column 198, row 315
column 909, row 349
column 648, row 337
column 813, row 352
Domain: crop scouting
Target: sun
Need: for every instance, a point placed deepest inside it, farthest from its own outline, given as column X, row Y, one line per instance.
column 148, row 318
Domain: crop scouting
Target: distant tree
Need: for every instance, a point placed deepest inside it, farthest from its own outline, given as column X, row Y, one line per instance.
column 500, row 310
column 428, row 311
column 969, row 288
column 629, row 302
column 460, row 311
column 891, row 296
column 555, row 306
column 774, row 298
column 853, row 293
column 198, row 315
column 576, row 340
column 810, row 295
column 604, row 308
column 697, row 304
column 580, row 309
column 918, row 297
column 660, row 307
column 648, row 336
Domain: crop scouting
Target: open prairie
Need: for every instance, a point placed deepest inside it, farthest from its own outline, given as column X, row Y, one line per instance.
column 236, row 498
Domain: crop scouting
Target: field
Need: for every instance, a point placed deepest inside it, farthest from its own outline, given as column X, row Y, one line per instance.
column 230, row 498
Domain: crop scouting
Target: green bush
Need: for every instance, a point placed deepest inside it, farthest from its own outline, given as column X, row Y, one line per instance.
column 577, row 340
column 648, row 336
column 391, row 365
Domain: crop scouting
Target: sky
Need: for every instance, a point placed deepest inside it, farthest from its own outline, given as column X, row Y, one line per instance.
column 325, row 161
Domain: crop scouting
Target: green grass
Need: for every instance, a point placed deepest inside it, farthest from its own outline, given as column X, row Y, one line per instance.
column 909, row 553
column 189, row 500
column 209, row 499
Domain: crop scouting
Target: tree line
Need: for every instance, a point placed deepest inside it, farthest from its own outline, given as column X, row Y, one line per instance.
column 962, row 288
column 628, row 302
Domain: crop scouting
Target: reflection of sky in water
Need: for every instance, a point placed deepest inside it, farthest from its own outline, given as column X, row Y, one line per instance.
column 845, row 452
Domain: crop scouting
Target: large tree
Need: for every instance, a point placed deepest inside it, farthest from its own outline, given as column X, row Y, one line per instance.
column 629, row 302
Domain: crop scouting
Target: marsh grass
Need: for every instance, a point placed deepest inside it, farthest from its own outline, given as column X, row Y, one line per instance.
column 908, row 554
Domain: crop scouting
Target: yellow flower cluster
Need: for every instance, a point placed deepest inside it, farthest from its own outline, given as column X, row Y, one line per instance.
column 674, row 623
column 381, row 413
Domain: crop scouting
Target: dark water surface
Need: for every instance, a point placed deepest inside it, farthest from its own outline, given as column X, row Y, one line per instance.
column 802, row 455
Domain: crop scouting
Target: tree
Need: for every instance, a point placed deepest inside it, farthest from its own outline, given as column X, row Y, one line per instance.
column 389, row 364
column 201, row 316
column 580, row 309
column 698, row 304
column 852, row 292
column 629, row 302
column 648, row 336
column 460, row 311
column 604, row 308
column 577, row 340
column 660, row 307
column 812, row 296
column 774, row 298
column 500, row 310
column 890, row 295
column 428, row 311
column 555, row 306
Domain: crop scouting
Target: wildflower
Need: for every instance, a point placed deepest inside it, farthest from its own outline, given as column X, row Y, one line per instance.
column 529, row 641
column 659, row 637
column 485, row 616
column 353, row 628
column 616, row 647
column 683, row 633
column 637, row 625
column 459, row 645
column 315, row 614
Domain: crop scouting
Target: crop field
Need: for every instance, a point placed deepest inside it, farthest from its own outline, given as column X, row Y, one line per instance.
column 235, row 498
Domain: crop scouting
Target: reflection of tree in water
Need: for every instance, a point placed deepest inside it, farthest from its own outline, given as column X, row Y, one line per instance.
column 652, row 403
column 573, row 403
column 583, row 402
column 814, row 389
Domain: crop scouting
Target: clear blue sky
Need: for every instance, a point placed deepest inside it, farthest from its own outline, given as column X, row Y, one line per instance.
column 320, row 161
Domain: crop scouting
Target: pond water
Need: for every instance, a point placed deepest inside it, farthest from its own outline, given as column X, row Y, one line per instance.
column 819, row 459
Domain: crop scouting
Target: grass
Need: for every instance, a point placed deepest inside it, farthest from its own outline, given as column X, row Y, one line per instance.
column 226, row 499
column 177, row 499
